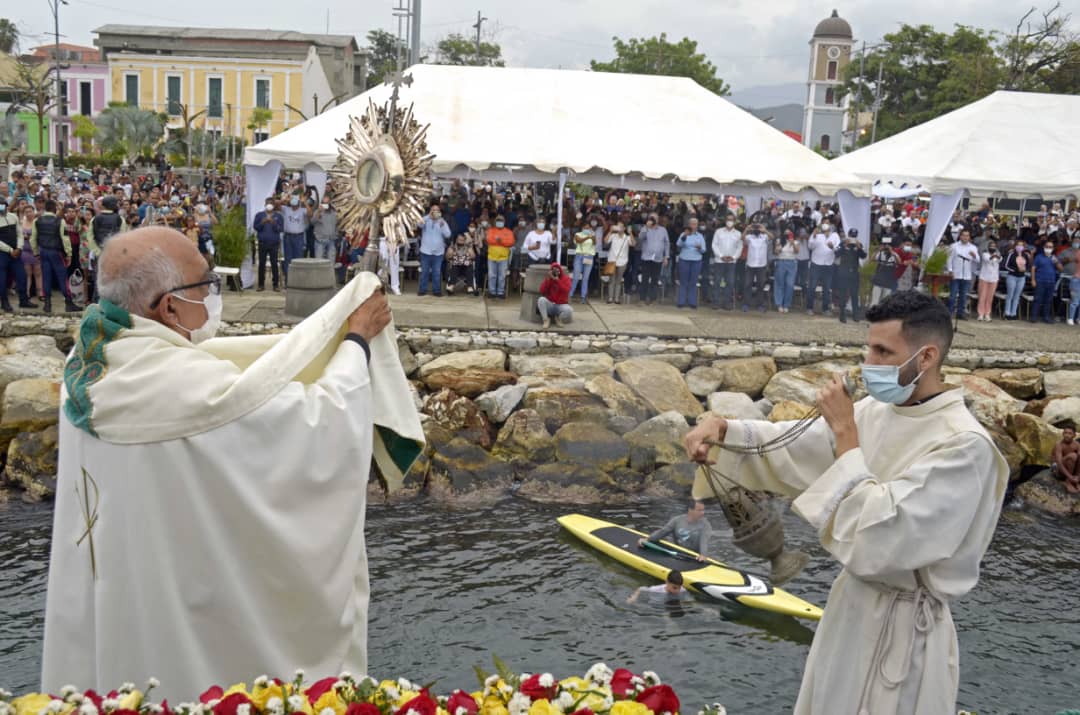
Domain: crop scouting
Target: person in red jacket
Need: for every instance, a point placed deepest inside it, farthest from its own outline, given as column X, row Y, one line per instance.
column 554, row 296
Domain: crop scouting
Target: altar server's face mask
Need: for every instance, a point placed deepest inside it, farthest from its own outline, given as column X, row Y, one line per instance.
column 883, row 381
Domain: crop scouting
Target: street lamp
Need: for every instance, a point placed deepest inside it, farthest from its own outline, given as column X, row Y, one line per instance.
column 54, row 5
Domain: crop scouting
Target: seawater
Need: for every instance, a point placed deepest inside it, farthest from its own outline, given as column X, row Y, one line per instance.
column 452, row 587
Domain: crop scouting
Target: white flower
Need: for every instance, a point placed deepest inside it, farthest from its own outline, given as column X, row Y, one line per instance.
column 405, row 685
column 519, row 704
column 243, row 709
column 340, row 684
column 324, row 711
column 296, row 703
column 609, row 701
column 54, row 706
column 110, row 704
column 154, row 708
column 261, row 682
column 275, row 705
column 75, row 698
column 651, row 677
column 68, row 690
column 461, row 711
column 565, row 701
column 299, row 673
column 5, row 709
column 5, row 694
column 152, row 682
column 88, row 708
column 392, row 693
column 546, row 680
column 127, row 687
column 345, row 675
column 491, row 681
column 599, row 674
column 410, row 711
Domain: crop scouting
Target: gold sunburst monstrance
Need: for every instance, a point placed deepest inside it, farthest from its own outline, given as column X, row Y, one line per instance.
column 383, row 172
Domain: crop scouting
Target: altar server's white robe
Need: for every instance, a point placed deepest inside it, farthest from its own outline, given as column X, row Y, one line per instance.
column 917, row 503
column 225, row 490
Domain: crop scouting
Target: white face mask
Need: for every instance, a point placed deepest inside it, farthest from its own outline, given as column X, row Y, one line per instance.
column 825, row 227
column 730, row 224
column 540, row 225
column 294, row 202
column 325, row 206
column 269, row 208
column 209, row 329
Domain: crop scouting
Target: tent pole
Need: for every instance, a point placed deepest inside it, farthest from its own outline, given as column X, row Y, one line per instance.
column 559, row 217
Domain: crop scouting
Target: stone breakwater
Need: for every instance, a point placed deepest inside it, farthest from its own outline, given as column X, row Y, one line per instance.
column 581, row 418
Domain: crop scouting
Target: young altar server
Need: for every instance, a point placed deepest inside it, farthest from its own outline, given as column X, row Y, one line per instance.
column 904, row 488
column 210, row 499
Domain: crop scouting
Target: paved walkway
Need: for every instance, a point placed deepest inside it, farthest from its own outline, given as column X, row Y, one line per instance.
column 469, row 313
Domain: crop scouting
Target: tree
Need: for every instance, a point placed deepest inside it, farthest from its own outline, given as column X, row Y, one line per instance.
column 259, row 117
column 1044, row 57
column 33, row 89
column 657, row 56
column 9, row 36
column 382, row 61
column 456, row 49
column 925, row 74
column 84, row 130
column 129, row 131
column 12, row 136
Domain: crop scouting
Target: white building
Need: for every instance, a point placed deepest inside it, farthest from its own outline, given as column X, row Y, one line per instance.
column 825, row 118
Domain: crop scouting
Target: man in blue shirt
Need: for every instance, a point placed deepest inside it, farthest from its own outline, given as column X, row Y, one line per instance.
column 268, row 225
column 1044, row 274
column 691, row 245
column 433, row 234
column 655, row 245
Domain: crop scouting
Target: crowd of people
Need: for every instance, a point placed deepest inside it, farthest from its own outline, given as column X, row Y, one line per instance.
column 620, row 246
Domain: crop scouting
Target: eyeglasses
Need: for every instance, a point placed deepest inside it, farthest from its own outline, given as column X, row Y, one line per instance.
column 213, row 281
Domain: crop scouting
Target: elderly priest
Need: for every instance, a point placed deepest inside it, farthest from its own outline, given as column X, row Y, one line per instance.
column 211, row 492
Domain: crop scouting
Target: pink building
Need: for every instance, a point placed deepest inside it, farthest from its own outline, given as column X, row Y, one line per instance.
column 85, row 87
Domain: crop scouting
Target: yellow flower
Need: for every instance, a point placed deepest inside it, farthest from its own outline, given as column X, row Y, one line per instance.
column 628, row 707
column 330, row 700
column 261, row 696
column 237, row 688
column 575, row 683
column 131, row 701
column 406, row 696
column 543, row 707
column 491, row 705
column 31, row 704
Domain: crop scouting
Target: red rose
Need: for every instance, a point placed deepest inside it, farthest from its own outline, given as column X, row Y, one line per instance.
column 319, row 688
column 422, row 704
column 213, row 693
column 165, row 708
column 229, row 704
column 660, row 699
column 362, row 709
column 125, row 711
column 531, row 687
column 93, row 697
column 621, row 686
column 460, row 699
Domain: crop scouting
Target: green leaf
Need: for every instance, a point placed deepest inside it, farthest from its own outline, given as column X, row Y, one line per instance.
column 481, row 675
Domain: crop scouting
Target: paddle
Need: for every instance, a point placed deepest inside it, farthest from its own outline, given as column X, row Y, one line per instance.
column 671, row 552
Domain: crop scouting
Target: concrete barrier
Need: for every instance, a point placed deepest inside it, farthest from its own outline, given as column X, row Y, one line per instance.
column 534, row 276
column 311, row 284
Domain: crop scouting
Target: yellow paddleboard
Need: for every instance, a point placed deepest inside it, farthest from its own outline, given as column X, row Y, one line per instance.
column 709, row 578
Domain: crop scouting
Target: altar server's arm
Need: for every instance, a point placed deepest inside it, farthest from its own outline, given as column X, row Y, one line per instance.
column 915, row 519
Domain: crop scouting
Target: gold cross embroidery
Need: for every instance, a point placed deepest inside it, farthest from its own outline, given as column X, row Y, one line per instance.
column 90, row 516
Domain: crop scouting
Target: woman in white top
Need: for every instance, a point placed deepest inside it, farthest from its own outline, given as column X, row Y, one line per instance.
column 989, row 275
column 538, row 244
column 618, row 243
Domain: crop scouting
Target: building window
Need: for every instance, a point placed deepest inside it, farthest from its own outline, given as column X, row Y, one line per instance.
column 86, row 94
column 830, row 70
column 830, row 96
column 213, row 97
column 825, row 142
column 173, row 94
column 261, row 136
column 131, row 89
column 262, row 93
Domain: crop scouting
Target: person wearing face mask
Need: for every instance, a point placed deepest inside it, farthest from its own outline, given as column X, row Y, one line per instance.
column 655, row 249
column 989, row 276
column 1017, row 263
column 1044, row 274
column 962, row 267
column 269, row 225
column 189, row 450
column 500, row 240
column 538, row 244
column 434, row 233
column 904, row 489
column 297, row 216
column 619, row 242
column 822, row 245
column 10, row 255
column 326, row 231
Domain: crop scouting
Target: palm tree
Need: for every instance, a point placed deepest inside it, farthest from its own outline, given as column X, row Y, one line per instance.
column 129, row 130
column 9, row 36
column 259, row 117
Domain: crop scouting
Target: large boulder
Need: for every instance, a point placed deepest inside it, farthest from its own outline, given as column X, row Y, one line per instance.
column 591, row 445
column 489, row 359
column 1062, row 382
column 1010, row 450
column 31, row 462
column 1059, row 409
column 524, row 439
column 787, row 410
column 1034, row 436
column 583, row 365
column 498, row 404
column 989, row 403
column 407, row 359
column 674, row 479
column 749, row 375
column 28, row 405
column 568, row 484
column 661, row 385
column 733, row 405
column 679, row 361
column 619, row 398
column 665, row 434
column 470, row 382
column 556, row 406
column 1022, row 383
column 459, row 415
column 467, row 467
column 704, row 380
column 1044, row 492
column 28, row 357
column 801, row 384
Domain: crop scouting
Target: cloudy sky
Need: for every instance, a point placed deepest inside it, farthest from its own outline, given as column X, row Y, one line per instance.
column 752, row 43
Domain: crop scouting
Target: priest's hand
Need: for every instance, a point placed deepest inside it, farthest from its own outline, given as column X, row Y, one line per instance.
column 711, row 429
column 838, row 410
column 371, row 317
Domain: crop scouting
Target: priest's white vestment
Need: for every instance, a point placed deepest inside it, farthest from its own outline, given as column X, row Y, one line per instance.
column 909, row 515
column 209, row 522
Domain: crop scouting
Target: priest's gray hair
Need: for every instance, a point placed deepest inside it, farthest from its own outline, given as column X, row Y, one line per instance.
column 134, row 285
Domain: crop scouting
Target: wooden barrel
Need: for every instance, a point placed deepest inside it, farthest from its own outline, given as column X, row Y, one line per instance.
column 310, row 285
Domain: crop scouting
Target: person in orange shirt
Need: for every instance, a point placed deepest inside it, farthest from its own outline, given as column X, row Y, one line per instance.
column 500, row 240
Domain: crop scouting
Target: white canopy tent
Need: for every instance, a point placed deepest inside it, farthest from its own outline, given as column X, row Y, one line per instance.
column 634, row 131
column 1007, row 145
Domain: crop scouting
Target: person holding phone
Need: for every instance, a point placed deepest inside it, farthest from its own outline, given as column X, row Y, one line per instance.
column 785, row 268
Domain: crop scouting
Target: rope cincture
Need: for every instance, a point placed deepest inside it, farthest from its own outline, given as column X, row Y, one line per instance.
column 90, row 516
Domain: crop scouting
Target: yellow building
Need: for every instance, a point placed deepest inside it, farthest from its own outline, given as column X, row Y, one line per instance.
column 227, row 74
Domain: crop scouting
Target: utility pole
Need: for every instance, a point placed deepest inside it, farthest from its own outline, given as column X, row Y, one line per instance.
column 414, row 50
column 479, row 22
column 54, row 5
column 877, row 99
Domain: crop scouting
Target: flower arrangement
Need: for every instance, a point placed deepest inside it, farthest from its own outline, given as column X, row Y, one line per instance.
column 601, row 691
